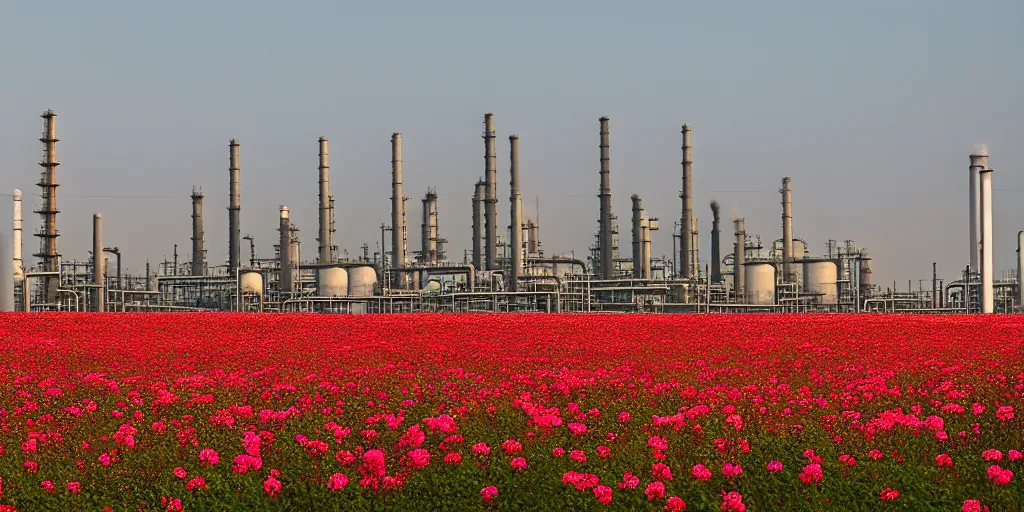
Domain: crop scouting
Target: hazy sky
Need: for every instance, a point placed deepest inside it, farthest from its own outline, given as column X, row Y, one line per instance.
column 871, row 107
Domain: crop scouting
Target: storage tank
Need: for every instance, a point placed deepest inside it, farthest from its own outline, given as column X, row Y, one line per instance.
column 759, row 282
column 559, row 270
column 361, row 281
column 332, row 282
column 251, row 282
column 820, row 277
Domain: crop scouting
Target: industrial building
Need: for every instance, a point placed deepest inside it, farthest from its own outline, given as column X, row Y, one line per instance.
column 506, row 269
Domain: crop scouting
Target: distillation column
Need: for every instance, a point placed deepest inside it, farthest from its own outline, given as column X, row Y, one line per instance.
column 428, row 240
column 788, row 274
column 979, row 161
column 48, row 209
column 284, row 253
column 739, row 257
column 234, row 209
column 16, row 258
column 325, row 204
column 987, row 247
column 686, row 259
column 398, row 249
column 1020, row 268
column 198, row 252
column 98, row 265
column 478, row 224
column 716, row 256
column 516, row 200
column 605, row 194
column 491, row 194
column 638, row 238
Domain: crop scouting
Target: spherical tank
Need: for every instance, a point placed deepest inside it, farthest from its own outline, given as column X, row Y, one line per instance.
column 361, row 281
column 332, row 282
column 820, row 277
column 759, row 282
column 251, row 282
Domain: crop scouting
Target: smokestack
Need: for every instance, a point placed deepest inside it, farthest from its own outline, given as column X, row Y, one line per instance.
column 6, row 273
column 398, row 248
column 19, row 264
column 48, row 209
column 234, row 209
column 687, row 260
column 198, row 252
column 716, row 257
column 284, row 252
column 638, row 238
column 979, row 161
column 987, row 247
column 739, row 257
column 478, row 224
column 516, row 200
column 605, row 194
column 490, row 194
column 787, row 231
column 645, row 248
column 1020, row 269
column 935, row 284
column 428, row 250
column 325, row 204
column 98, row 265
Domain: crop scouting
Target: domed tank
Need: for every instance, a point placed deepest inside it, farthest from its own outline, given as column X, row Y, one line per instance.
column 251, row 282
column 431, row 287
column 820, row 277
column 361, row 281
column 759, row 282
column 332, row 282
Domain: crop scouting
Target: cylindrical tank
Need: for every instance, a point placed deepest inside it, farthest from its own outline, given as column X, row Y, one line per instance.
column 361, row 281
column 759, row 282
column 820, row 277
column 431, row 286
column 251, row 282
column 332, row 282
column 865, row 275
column 559, row 270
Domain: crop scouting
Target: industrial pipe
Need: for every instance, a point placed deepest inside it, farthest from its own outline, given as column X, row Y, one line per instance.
column 284, row 253
column 570, row 261
column 491, row 194
column 987, row 247
column 325, row 199
column 605, row 195
column 234, row 209
column 516, row 200
column 468, row 270
column 686, row 260
column 99, row 300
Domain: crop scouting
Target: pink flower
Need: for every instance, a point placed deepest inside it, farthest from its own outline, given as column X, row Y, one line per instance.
column 1015, row 455
column 730, row 471
column 944, row 460
column 941, row 435
column 888, row 494
column 629, row 481
column 557, row 452
column 992, row 455
column 104, row 459
column 972, row 505
column 604, row 451
column 578, row 456
column 518, row 463
column 48, row 485
column 344, row 457
column 977, row 408
column 999, row 476
column 774, row 466
column 658, row 443
column 733, row 502
column 624, row 417
column 453, row 458
column 174, row 505
column 244, row 463
column 29, row 446
column 661, row 472
column 577, row 429
column 655, row 491
column 603, row 493
column 675, row 504
column 31, row 466
column 179, row 472
column 481, row 449
column 701, row 473
column 74, row 487
column 811, row 474
column 875, row 454
column 511, row 446
column 196, row 483
column 489, row 493
column 337, row 481
column 272, row 486
column 1004, row 413
column 209, row 456
column 419, row 458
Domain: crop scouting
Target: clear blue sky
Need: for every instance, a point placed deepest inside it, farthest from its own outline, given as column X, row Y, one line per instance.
column 871, row 107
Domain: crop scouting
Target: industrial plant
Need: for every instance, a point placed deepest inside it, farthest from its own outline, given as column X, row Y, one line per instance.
column 506, row 270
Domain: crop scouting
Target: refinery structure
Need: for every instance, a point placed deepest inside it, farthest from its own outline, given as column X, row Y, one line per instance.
column 507, row 268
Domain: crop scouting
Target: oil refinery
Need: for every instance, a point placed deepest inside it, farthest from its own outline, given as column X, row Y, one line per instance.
column 506, row 270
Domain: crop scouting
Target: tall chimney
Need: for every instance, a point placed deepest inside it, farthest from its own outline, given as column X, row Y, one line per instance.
column 48, row 209
column 638, row 238
column 716, row 257
column 645, row 248
column 1020, row 269
column 935, row 284
column 428, row 250
column 19, row 264
column 739, row 257
column 686, row 258
column 516, row 200
column 98, row 265
column 234, row 209
column 398, row 248
column 284, row 252
column 6, row 273
column 478, row 224
column 198, row 252
column 987, row 247
column 979, row 161
column 325, row 206
column 605, row 194
column 491, row 194
column 787, row 231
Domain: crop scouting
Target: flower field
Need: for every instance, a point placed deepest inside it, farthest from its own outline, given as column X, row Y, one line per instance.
column 211, row 412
